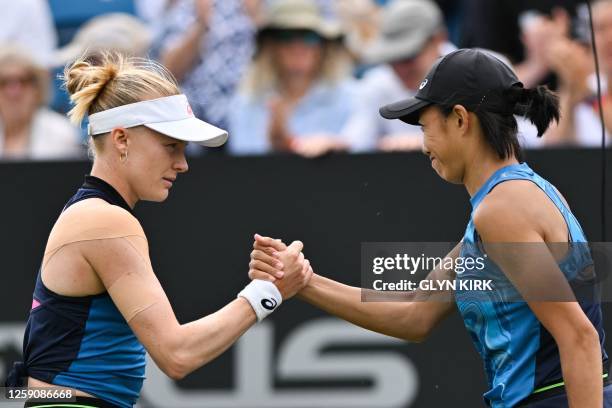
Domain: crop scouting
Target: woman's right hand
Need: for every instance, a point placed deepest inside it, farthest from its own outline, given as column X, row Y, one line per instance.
column 283, row 265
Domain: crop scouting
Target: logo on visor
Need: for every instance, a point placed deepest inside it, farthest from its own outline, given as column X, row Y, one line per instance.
column 423, row 84
column 189, row 111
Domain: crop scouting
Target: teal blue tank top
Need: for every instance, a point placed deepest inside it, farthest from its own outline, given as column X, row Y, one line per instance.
column 519, row 354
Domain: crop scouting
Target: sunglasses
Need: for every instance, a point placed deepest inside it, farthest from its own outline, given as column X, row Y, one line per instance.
column 291, row 36
column 23, row 81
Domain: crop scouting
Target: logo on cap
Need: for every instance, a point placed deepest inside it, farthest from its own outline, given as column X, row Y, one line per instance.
column 189, row 111
column 423, row 84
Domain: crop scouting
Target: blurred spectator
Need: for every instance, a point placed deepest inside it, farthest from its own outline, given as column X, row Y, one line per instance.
column 538, row 31
column 28, row 23
column 453, row 16
column 496, row 25
column 207, row 45
column 120, row 32
column 573, row 63
column 360, row 19
column 153, row 13
column 327, row 8
column 602, row 21
column 28, row 129
column 297, row 94
column 412, row 37
column 113, row 31
column 70, row 15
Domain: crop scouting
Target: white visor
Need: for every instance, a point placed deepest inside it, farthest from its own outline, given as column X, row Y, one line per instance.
column 170, row 115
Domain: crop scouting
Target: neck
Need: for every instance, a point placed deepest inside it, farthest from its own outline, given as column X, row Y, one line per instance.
column 104, row 171
column 481, row 170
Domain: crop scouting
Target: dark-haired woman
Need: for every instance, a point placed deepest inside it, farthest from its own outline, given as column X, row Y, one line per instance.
column 536, row 353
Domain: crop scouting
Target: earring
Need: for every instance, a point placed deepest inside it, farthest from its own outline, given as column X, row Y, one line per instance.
column 124, row 156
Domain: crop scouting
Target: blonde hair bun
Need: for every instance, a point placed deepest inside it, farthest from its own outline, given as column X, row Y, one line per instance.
column 110, row 79
column 84, row 82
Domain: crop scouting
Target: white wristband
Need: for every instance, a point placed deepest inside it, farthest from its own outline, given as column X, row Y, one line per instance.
column 263, row 296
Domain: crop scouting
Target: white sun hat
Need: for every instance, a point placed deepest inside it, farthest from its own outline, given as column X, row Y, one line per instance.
column 170, row 115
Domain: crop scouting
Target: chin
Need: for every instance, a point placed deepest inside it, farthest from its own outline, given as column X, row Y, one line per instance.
column 449, row 178
column 454, row 179
column 157, row 196
column 447, row 175
column 163, row 196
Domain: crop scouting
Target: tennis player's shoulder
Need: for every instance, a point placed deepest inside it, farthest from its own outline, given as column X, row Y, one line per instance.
column 507, row 208
column 97, row 217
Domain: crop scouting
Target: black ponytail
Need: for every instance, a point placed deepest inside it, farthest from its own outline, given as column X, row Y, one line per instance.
column 540, row 105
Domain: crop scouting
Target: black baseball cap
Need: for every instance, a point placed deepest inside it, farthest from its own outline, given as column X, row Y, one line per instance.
column 473, row 78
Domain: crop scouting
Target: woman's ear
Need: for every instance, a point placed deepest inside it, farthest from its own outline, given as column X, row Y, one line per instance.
column 461, row 117
column 120, row 140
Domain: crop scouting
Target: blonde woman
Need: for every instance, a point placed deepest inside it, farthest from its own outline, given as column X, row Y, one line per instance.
column 297, row 94
column 97, row 304
column 28, row 129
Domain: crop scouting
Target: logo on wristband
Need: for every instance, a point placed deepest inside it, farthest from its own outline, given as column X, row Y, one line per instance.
column 269, row 304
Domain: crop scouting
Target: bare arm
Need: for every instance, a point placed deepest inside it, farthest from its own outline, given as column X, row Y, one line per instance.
column 405, row 319
column 532, row 269
column 124, row 267
column 579, row 349
column 411, row 317
column 180, row 58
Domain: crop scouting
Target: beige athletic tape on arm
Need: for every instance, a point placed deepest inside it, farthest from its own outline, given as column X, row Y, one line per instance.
column 137, row 289
column 114, row 244
column 89, row 220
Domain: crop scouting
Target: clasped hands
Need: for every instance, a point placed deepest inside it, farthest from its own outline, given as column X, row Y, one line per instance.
column 283, row 265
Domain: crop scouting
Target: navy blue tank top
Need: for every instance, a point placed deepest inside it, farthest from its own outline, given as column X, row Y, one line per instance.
column 83, row 342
